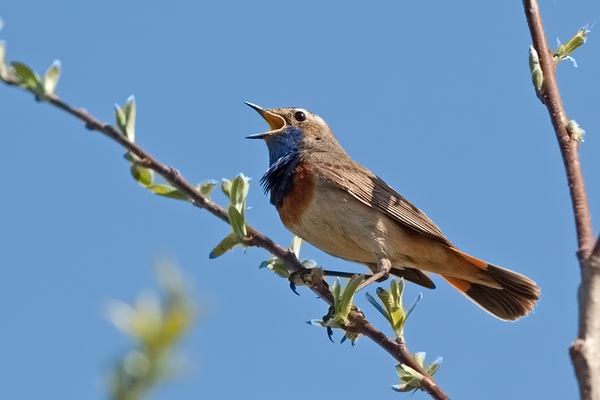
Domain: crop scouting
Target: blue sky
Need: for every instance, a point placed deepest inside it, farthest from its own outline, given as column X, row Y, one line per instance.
column 433, row 97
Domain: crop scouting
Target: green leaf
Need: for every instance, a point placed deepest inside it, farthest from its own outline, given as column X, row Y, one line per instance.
column 537, row 77
column 564, row 51
column 346, row 302
column 206, row 188
column 141, row 174
column 226, row 188
column 126, row 118
column 145, row 177
column 336, row 290
column 397, row 290
column 238, row 225
column 121, row 118
column 132, row 158
column 387, row 299
column 277, row 266
column 343, row 300
column 51, row 78
column 241, row 190
column 226, row 244
column 393, row 309
column 411, row 372
column 2, row 65
column 29, row 80
column 296, row 244
column 168, row 191
column 434, row 367
column 413, row 305
column 411, row 379
column 396, row 307
column 378, row 307
column 238, row 192
column 337, row 316
column 129, row 111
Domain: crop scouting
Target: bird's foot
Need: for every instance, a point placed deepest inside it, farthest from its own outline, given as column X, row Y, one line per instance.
column 305, row 277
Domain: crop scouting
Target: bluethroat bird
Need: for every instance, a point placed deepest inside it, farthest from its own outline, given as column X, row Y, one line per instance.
column 337, row 205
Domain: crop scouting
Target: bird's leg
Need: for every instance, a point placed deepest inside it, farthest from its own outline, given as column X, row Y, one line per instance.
column 381, row 271
column 338, row 274
column 302, row 276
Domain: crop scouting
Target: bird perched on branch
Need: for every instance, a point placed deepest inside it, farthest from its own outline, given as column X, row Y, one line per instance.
column 337, row 205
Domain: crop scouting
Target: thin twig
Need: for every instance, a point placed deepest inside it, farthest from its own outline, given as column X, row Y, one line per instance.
column 254, row 238
column 585, row 351
column 568, row 147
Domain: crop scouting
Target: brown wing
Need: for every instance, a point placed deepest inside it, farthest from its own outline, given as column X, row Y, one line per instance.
column 374, row 192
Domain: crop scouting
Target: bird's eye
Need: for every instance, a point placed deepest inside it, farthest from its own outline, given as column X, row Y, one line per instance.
column 299, row 116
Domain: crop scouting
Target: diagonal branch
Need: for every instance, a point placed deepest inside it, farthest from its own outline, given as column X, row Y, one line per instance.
column 585, row 351
column 254, row 238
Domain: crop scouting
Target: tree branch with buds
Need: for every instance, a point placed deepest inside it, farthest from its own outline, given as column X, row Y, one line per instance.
column 585, row 351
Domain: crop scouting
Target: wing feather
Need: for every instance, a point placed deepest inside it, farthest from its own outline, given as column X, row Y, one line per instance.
column 371, row 190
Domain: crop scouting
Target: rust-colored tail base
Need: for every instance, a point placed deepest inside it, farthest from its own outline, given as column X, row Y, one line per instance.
column 515, row 298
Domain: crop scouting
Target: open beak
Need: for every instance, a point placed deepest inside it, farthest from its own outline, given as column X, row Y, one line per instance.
column 276, row 122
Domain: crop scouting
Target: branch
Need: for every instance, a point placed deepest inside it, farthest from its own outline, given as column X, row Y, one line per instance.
column 357, row 321
column 585, row 351
column 550, row 96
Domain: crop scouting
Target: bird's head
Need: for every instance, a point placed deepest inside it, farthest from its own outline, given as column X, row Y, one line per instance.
column 294, row 130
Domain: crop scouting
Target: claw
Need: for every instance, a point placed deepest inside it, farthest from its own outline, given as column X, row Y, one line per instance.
column 330, row 334
column 294, row 276
column 293, row 287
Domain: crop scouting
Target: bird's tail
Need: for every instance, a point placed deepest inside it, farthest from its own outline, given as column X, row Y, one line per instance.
column 515, row 297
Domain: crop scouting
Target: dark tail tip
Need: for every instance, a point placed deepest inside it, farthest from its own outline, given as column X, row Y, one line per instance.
column 516, row 299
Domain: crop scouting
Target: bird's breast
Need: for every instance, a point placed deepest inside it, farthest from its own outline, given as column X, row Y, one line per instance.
column 329, row 218
column 297, row 201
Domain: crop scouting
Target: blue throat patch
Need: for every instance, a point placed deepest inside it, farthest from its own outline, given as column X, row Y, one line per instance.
column 284, row 157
